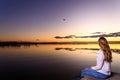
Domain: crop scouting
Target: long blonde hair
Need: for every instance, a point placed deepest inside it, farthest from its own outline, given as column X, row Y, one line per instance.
column 103, row 43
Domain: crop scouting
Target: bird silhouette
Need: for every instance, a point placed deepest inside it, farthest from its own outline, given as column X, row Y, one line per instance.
column 64, row 19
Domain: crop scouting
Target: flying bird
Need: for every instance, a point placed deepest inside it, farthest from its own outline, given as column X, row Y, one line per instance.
column 64, row 19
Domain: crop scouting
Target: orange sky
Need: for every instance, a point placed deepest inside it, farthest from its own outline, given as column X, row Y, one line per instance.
column 43, row 20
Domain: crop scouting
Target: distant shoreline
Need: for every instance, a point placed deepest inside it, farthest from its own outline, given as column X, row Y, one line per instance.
column 28, row 44
column 3, row 43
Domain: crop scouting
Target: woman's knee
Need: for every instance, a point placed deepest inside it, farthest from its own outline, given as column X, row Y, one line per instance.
column 85, row 71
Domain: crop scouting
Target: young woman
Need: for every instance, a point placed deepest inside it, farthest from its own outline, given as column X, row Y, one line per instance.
column 104, row 59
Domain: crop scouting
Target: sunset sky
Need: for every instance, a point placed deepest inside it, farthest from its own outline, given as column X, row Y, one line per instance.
column 42, row 20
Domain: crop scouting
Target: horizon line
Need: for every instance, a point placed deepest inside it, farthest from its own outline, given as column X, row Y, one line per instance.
column 55, row 42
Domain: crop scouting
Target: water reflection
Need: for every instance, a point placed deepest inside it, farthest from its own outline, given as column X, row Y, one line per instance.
column 74, row 49
column 50, row 62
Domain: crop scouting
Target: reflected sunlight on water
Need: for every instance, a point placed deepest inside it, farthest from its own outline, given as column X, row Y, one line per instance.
column 63, row 61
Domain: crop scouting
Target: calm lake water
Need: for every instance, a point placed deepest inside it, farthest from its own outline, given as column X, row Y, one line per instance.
column 50, row 62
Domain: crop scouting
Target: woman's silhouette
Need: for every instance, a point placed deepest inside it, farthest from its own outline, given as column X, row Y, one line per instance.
column 104, row 59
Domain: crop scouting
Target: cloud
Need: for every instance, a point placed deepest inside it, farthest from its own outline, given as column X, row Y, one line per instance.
column 97, row 32
column 67, row 37
column 58, row 37
column 94, row 35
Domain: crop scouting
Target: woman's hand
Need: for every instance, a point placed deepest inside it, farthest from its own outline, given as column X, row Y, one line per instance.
column 92, row 67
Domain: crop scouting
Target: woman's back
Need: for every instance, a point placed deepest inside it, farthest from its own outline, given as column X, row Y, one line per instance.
column 102, row 66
